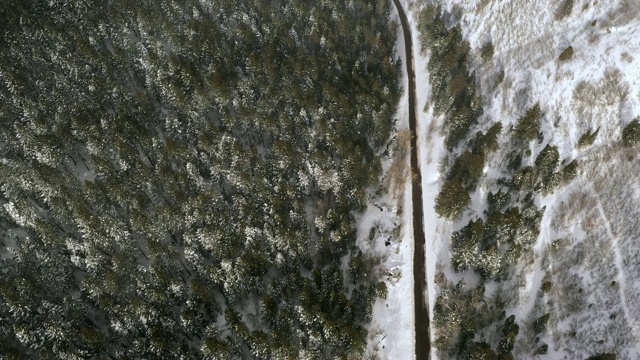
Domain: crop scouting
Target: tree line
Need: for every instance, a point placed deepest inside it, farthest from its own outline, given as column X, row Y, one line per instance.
column 179, row 178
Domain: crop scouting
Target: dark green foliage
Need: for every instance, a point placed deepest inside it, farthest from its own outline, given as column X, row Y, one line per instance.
column 467, row 168
column 540, row 324
column 481, row 351
column 452, row 199
column 570, row 171
column 509, row 332
column 544, row 175
column 546, row 286
column 486, row 52
column 546, row 165
column 631, row 133
column 605, row 356
column 528, row 126
column 485, row 144
column 431, row 16
column 460, row 121
column 566, row 54
column 467, row 244
column 502, row 226
column 500, row 77
column 514, row 160
column 452, row 86
column 491, row 138
column 542, row 349
column 588, row 138
column 524, row 179
column 497, row 201
column 531, row 218
column 381, row 290
column 458, row 314
column 490, row 248
column 564, row 9
column 160, row 161
column 493, row 243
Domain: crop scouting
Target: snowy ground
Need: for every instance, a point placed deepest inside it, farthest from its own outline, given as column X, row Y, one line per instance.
column 392, row 331
column 587, row 240
column 394, row 318
column 430, row 150
column 588, row 244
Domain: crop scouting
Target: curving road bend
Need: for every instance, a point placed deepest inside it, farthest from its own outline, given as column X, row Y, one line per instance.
column 423, row 343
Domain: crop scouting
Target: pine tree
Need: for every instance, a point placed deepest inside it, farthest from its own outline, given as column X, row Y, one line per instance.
column 452, row 199
column 528, row 125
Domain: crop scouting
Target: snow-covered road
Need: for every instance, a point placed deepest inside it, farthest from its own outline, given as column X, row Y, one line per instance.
column 422, row 347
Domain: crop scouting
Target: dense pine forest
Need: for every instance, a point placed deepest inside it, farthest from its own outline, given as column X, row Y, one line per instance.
column 179, row 178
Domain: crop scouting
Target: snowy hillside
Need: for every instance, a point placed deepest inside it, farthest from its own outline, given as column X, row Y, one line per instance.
column 576, row 293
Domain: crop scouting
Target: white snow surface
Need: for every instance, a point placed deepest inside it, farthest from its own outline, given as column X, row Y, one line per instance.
column 394, row 317
column 430, row 150
column 588, row 243
column 392, row 331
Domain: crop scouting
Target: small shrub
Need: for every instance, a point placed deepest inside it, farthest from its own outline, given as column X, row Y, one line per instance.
column 486, row 53
column 500, row 78
column 566, row 54
column 546, row 286
column 631, row 133
column 372, row 232
column 542, row 349
column 564, row 9
column 381, row 290
column 626, row 57
column 588, row 138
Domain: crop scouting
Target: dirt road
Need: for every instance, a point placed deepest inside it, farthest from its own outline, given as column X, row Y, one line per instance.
column 423, row 343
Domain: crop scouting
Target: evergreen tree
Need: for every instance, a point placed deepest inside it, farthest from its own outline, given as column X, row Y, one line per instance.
column 452, row 199
column 528, row 125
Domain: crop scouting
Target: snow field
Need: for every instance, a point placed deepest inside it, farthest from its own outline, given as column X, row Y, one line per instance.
column 587, row 247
